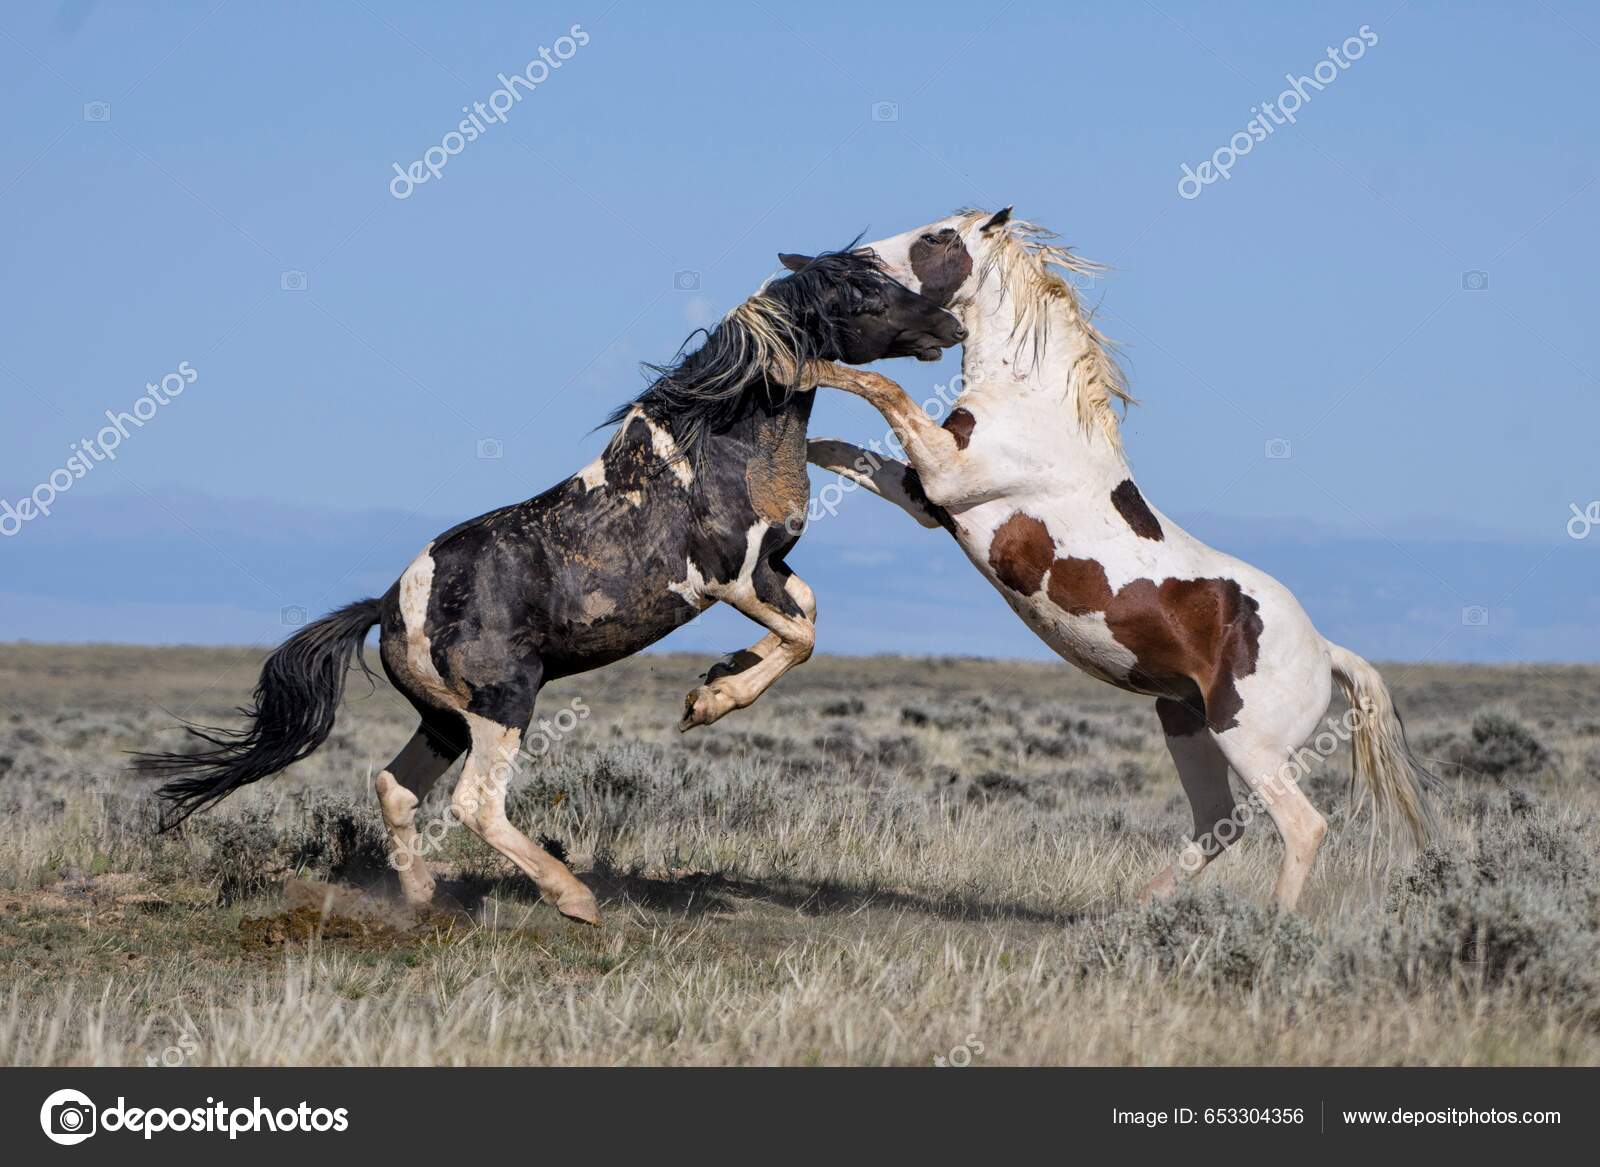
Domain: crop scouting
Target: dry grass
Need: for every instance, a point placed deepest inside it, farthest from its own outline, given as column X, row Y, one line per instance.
column 883, row 859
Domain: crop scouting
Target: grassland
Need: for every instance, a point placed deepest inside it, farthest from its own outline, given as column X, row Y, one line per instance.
column 884, row 861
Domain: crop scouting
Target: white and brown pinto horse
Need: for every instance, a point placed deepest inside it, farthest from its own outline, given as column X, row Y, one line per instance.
column 1028, row 474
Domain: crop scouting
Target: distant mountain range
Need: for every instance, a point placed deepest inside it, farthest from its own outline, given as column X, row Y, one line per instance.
column 187, row 568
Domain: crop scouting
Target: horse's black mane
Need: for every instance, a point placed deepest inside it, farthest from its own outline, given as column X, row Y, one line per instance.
column 804, row 313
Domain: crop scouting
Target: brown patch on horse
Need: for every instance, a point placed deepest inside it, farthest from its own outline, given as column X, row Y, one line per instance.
column 776, row 474
column 941, row 266
column 1205, row 631
column 1135, row 511
column 1079, row 586
column 1020, row 553
column 1187, row 636
column 960, row 423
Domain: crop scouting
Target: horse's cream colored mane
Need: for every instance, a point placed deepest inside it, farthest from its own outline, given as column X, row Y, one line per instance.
column 766, row 335
column 1027, row 262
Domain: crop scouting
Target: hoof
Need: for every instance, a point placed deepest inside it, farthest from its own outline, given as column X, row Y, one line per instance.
column 418, row 899
column 578, row 903
column 704, row 706
column 416, row 884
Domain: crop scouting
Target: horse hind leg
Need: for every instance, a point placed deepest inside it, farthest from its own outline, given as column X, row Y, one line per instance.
column 1269, row 770
column 479, row 801
column 401, row 787
column 1203, row 770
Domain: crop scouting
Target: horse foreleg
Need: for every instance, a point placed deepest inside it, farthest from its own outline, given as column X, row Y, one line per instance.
column 1203, row 770
column 888, row 478
column 779, row 601
column 935, row 452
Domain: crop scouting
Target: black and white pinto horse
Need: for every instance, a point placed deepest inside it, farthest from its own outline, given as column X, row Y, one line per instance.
column 697, row 498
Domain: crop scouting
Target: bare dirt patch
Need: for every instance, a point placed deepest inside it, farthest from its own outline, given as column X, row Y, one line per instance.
column 329, row 913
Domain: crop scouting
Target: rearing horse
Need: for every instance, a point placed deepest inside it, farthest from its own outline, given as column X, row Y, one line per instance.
column 696, row 499
column 1027, row 473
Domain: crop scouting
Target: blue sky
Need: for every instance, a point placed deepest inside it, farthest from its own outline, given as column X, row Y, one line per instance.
column 209, row 183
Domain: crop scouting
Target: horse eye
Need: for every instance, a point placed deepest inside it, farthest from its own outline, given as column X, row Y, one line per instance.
column 931, row 240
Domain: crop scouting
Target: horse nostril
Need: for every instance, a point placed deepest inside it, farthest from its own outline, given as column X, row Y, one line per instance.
column 961, row 334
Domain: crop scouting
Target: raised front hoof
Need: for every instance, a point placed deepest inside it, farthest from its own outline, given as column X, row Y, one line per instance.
column 704, row 706
column 578, row 903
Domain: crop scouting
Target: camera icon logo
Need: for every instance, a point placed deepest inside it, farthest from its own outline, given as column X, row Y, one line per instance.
column 490, row 448
column 1475, row 616
column 292, row 281
column 686, row 281
column 97, row 111
column 1475, row 281
column 1278, row 449
column 293, row 616
column 68, row 1117
column 886, row 111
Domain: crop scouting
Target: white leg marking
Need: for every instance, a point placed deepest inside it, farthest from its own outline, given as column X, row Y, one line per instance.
column 789, row 642
column 1265, row 769
column 401, row 787
column 479, row 801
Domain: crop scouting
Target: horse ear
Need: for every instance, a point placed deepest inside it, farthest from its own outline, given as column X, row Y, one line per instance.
column 998, row 219
column 794, row 262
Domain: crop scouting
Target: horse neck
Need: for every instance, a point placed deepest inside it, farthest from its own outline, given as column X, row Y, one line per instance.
column 1037, row 394
column 756, row 421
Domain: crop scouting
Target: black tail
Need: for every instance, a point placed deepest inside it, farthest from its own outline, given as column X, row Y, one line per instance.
column 295, row 703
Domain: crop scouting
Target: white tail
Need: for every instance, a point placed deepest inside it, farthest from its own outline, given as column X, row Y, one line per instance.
column 1381, row 756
